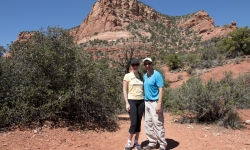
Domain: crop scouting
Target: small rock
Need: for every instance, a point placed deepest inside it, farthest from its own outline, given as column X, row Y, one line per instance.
column 175, row 120
column 35, row 131
column 247, row 121
column 207, row 128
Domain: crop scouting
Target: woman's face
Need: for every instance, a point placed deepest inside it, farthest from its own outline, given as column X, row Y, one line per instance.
column 135, row 66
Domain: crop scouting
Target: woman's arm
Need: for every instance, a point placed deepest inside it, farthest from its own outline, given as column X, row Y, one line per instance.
column 125, row 94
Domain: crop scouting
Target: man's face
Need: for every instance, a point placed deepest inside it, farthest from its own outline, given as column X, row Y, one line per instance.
column 148, row 65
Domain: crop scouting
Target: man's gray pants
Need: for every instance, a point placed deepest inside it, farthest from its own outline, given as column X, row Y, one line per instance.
column 154, row 125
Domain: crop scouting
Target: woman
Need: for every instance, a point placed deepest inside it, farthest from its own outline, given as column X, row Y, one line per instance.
column 134, row 99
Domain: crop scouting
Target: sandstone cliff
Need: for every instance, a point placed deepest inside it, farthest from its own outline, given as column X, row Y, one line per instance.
column 204, row 26
column 113, row 15
column 108, row 18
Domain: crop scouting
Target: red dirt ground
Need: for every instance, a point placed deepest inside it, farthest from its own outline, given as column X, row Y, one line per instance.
column 178, row 136
column 215, row 73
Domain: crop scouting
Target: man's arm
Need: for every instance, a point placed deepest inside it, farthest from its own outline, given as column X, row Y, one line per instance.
column 158, row 108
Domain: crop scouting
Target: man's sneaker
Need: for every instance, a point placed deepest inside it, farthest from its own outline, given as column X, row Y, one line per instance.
column 148, row 147
column 127, row 146
column 162, row 148
column 137, row 146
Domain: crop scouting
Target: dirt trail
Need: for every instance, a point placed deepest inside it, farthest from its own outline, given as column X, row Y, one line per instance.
column 178, row 136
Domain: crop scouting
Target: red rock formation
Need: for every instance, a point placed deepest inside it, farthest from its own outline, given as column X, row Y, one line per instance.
column 200, row 23
column 107, row 17
column 218, row 31
column 204, row 26
column 22, row 36
column 6, row 55
column 112, row 15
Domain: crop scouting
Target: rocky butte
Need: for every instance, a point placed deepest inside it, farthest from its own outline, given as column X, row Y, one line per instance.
column 108, row 18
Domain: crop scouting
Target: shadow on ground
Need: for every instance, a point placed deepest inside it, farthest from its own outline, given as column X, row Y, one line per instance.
column 171, row 144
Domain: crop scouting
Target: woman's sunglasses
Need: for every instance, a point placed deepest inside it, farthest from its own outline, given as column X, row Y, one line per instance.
column 135, row 65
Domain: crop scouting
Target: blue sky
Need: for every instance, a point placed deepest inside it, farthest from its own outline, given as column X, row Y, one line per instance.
column 30, row 15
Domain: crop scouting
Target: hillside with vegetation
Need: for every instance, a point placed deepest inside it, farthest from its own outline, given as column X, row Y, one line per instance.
column 51, row 76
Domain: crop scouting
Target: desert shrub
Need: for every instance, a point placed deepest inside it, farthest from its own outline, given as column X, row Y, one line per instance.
column 180, row 77
column 192, row 60
column 50, row 78
column 204, row 58
column 236, row 43
column 209, row 54
column 173, row 61
column 210, row 57
column 190, row 70
column 212, row 101
column 232, row 120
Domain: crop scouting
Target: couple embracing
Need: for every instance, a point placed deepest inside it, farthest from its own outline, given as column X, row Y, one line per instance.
column 143, row 94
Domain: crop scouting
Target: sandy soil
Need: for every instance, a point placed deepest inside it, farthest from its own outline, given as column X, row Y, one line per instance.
column 215, row 73
column 178, row 136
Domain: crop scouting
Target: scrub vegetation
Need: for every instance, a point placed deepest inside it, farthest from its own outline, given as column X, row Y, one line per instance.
column 51, row 78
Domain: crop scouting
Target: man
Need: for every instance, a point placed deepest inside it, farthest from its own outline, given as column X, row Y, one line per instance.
column 154, row 119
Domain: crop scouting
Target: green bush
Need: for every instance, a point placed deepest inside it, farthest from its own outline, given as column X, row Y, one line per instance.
column 173, row 61
column 192, row 60
column 50, row 78
column 233, row 120
column 237, row 42
column 212, row 101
